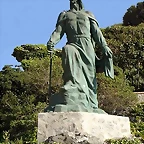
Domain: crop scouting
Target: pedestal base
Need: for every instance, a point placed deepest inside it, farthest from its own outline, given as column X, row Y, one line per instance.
column 81, row 126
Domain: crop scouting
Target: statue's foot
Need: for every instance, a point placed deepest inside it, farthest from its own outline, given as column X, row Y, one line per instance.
column 63, row 108
column 70, row 108
column 73, row 108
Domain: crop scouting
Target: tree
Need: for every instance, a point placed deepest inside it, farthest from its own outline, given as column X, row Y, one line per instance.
column 134, row 15
column 18, row 105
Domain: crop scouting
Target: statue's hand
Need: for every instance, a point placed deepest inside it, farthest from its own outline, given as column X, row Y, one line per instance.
column 108, row 53
column 50, row 47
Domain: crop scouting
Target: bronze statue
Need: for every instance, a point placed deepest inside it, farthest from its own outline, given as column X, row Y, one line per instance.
column 79, row 92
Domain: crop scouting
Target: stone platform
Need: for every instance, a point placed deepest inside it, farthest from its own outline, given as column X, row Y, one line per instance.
column 81, row 126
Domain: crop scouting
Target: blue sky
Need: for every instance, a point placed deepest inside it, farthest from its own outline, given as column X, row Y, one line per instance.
column 32, row 21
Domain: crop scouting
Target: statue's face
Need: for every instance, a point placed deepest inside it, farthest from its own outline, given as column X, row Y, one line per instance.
column 73, row 4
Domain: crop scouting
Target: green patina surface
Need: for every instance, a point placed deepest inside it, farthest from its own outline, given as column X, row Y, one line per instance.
column 79, row 61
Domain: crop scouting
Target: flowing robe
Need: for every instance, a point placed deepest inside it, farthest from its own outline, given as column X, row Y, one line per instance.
column 79, row 92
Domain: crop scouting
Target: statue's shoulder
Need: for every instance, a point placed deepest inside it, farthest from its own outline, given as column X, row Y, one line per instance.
column 91, row 16
column 62, row 16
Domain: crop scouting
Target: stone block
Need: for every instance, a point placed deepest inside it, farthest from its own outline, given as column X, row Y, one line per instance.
column 81, row 126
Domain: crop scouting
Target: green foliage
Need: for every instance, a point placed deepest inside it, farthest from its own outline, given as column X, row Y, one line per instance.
column 137, row 120
column 37, row 71
column 115, row 96
column 124, row 141
column 18, row 106
column 134, row 15
column 6, row 139
column 127, row 44
column 29, row 52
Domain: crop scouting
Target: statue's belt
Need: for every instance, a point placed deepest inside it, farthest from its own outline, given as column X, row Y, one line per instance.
column 79, row 36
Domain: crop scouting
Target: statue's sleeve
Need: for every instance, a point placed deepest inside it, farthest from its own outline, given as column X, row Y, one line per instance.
column 58, row 32
column 97, row 34
column 100, row 40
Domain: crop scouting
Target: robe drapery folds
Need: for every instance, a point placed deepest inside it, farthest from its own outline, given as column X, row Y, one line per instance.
column 79, row 92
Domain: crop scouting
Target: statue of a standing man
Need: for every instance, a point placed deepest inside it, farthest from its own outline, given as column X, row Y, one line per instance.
column 79, row 92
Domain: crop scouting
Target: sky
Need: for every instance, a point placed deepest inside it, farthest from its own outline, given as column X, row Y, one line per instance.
column 33, row 21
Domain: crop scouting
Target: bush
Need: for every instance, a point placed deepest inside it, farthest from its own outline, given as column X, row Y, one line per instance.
column 115, row 96
column 137, row 120
column 124, row 141
column 37, row 71
column 29, row 51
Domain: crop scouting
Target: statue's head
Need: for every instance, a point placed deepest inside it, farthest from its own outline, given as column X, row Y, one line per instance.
column 76, row 4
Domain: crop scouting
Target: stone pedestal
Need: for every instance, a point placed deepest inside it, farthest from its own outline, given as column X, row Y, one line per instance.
column 82, row 126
